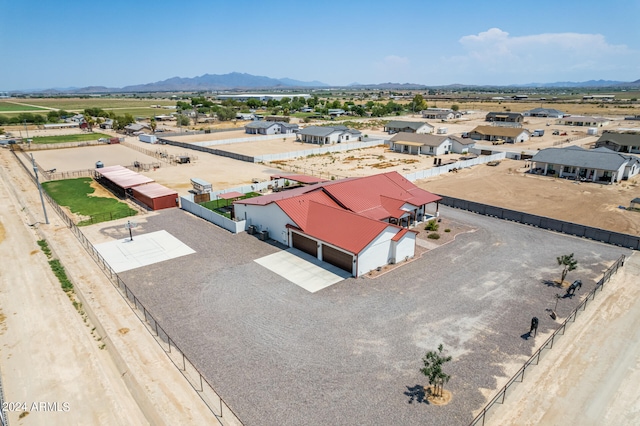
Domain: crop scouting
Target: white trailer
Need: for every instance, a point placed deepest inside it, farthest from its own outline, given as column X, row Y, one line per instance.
column 148, row 138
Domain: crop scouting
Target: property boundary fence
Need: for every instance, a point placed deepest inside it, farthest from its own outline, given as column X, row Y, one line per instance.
column 162, row 156
column 62, row 145
column 548, row 344
column 188, row 369
column 570, row 228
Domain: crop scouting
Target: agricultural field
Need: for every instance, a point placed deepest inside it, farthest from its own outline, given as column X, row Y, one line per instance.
column 88, row 202
column 18, row 107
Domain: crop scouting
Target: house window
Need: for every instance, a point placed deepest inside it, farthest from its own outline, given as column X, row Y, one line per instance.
column 430, row 149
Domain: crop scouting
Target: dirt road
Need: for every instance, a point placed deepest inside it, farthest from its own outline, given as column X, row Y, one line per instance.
column 591, row 375
column 48, row 353
column 115, row 374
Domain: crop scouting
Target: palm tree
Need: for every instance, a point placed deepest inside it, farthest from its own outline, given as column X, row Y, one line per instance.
column 568, row 263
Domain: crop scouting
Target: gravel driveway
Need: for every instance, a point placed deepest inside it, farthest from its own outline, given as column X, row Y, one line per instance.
column 351, row 353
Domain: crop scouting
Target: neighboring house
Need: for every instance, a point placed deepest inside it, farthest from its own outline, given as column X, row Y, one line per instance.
column 107, row 124
column 269, row 128
column 440, row 114
column 578, row 120
column 506, row 117
column 414, row 143
column 497, row 133
column 245, row 117
column 136, row 128
column 620, row 142
column 357, row 224
column 336, row 112
column 306, row 109
column 326, row 135
column 544, row 112
column 595, row 165
column 408, row 127
column 78, row 118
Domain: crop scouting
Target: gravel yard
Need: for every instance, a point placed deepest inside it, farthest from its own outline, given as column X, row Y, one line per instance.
column 351, row 353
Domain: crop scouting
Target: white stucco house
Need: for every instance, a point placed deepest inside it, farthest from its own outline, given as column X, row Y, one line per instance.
column 270, row 128
column 356, row 224
column 591, row 165
column 397, row 126
column 327, row 135
column 496, row 133
column 412, row 143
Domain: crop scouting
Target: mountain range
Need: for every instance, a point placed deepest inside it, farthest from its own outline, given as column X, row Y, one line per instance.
column 243, row 81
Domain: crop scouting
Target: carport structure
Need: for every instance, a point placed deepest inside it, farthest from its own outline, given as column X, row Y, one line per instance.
column 120, row 180
column 155, row 196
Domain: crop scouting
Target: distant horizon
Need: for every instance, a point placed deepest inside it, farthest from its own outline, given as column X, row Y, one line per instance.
column 326, row 85
column 478, row 44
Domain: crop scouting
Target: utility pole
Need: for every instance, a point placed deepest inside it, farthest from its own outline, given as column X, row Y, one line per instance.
column 35, row 170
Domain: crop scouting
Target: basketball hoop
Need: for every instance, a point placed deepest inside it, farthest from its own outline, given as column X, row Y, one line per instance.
column 129, row 226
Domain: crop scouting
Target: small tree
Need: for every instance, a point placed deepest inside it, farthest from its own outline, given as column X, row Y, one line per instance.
column 433, row 362
column 568, row 263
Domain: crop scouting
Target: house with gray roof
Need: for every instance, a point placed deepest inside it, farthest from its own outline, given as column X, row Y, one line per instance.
column 440, row 114
column 328, row 134
column 506, row 117
column 620, row 142
column 397, row 126
column 420, row 143
column 544, row 112
column 270, row 128
column 136, row 128
column 595, row 165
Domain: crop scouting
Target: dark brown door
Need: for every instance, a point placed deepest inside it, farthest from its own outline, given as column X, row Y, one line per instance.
column 338, row 258
column 305, row 244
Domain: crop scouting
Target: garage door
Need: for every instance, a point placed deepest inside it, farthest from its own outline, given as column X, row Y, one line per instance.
column 305, row 244
column 337, row 258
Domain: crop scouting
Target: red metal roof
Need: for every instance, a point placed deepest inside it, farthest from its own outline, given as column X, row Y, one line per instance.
column 297, row 208
column 155, row 190
column 230, row 195
column 123, row 177
column 364, row 195
column 344, row 229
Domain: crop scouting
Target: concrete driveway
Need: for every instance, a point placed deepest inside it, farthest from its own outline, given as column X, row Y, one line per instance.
column 303, row 269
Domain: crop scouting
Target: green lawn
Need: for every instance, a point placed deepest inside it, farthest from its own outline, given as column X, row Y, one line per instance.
column 75, row 194
column 69, row 138
column 217, row 205
column 11, row 107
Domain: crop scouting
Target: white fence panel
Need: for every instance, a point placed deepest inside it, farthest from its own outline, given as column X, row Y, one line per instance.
column 435, row 171
column 246, row 139
column 208, row 215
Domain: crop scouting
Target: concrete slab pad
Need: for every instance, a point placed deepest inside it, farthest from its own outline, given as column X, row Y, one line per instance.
column 145, row 249
column 303, row 269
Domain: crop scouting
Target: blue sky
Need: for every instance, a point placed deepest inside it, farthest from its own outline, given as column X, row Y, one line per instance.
column 47, row 44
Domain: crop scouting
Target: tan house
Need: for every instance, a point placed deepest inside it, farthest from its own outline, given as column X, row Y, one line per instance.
column 499, row 134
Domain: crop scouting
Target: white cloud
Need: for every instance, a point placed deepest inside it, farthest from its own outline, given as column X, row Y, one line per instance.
column 542, row 57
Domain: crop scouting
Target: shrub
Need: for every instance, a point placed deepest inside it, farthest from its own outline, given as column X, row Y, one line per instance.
column 434, row 236
column 447, row 230
column 432, row 225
